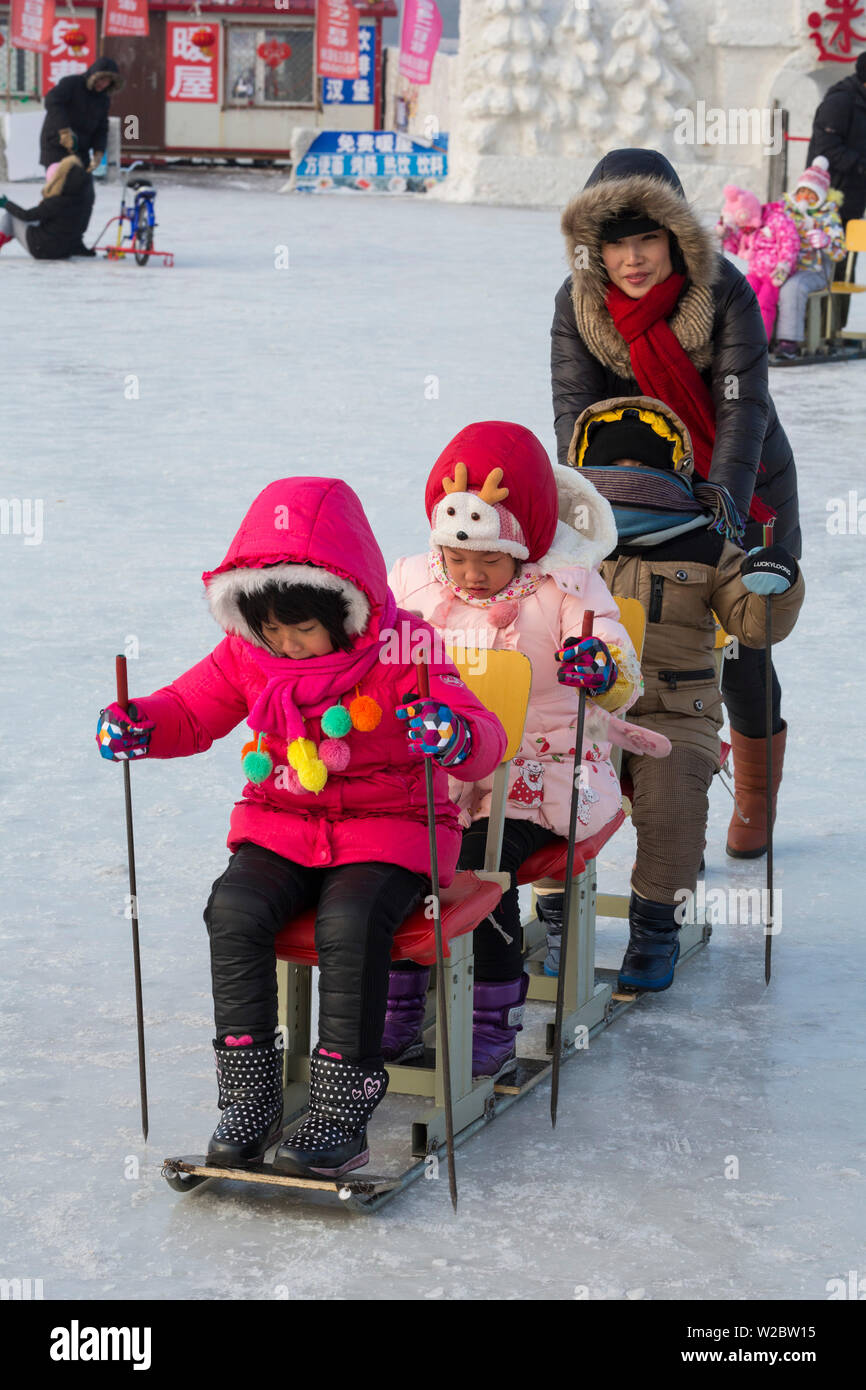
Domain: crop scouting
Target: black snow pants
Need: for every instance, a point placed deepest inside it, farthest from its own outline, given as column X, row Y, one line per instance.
column 498, row 942
column 359, row 908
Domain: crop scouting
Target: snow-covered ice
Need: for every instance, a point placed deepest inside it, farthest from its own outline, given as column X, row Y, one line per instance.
column 145, row 409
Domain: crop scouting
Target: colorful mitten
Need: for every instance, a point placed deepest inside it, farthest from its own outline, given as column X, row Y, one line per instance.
column 435, row 730
column 769, row 570
column 122, row 734
column 587, row 663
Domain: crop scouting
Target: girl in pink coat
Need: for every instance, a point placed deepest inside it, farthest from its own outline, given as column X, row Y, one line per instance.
column 767, row 239
column 512, row 564
column 333, row 812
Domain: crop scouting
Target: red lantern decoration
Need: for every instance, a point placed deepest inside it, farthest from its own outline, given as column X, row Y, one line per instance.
column 204, row 39
column 274, row 53
column 76, row 39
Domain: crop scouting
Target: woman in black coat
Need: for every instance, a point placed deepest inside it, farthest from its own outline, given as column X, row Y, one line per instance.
column 635, row 194
column 52, row 231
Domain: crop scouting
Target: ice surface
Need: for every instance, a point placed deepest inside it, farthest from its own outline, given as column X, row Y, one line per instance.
column 245, row 373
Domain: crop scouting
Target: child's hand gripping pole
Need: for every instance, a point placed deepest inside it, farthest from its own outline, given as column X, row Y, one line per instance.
column 586, row 631
column 441, row 987
column 123, row 702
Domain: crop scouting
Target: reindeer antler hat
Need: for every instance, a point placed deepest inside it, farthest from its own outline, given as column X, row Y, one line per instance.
column 493, row 488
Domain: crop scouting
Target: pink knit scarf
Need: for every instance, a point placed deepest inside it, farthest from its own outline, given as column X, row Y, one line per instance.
column 304, row 689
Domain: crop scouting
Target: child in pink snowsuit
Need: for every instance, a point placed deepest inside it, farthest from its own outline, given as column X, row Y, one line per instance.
column 766, row 238
column 513, row 563
column 333, row 814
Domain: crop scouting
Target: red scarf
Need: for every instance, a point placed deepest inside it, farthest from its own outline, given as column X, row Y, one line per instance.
column 663, row 369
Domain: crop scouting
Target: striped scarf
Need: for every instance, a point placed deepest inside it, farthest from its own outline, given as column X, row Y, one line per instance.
column 650, row 506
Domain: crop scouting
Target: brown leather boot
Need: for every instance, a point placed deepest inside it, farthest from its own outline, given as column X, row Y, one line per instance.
column 747, row 832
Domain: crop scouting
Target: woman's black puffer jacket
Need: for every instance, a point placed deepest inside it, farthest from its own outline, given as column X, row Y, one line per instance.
column 717, row 321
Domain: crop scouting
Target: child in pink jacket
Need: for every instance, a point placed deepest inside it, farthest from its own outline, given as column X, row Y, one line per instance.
column 767, row 239
column 512, row 564
column 334, row 809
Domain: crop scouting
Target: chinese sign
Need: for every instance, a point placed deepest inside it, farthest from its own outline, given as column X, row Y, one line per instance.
column 357, row 91
column 833, row 30
column 192, row 68
column 422, row 30
column 126, row 19
column 381, row 161
column 67, row 54
column 336, row 39
column 32, row 22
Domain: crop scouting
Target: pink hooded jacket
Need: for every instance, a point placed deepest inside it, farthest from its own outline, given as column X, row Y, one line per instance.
column 376, row 809
column 774, row 242
column 537, row 624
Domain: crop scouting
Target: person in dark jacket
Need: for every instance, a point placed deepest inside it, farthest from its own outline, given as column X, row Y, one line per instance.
column 839, row 133
column 52, row 231
column 653, row 309
column 76, row 114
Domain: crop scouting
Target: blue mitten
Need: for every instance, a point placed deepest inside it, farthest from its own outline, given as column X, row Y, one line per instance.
column 435, row 731
column 769, row 570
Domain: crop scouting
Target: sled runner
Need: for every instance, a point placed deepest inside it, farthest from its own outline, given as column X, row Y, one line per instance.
column 135, row 223
column 591, row 998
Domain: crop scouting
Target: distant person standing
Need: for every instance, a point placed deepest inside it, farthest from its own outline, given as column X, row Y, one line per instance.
column 76, row 114
column 76, row 122
column 839, row 133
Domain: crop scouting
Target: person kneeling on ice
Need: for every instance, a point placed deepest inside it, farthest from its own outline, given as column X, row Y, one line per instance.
column 512, row 564
column 52, row 230
column 333, row 813
column 814, row 210
column 675, row 554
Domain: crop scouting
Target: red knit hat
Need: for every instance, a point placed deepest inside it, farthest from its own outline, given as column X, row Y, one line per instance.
column 492, row 488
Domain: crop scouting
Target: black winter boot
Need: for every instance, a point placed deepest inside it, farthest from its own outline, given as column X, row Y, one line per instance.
column 251, row 1099
column 333, row 1138
column 653, row 946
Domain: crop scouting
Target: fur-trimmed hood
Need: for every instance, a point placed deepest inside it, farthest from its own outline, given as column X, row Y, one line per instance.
column 586, row 530
column 104, row 67
column 67, row 177
column 685, row 466
column 643, row 181
column 302, row 531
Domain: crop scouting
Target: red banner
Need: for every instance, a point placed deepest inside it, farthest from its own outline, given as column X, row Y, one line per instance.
column 337, row 46
column 32, row 21
column 192, row 68
column 126, row 19
column 67, row 54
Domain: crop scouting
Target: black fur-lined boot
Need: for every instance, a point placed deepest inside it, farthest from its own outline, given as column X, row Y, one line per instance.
column 251, row 1099
column 333, row 1138
column 653, row 945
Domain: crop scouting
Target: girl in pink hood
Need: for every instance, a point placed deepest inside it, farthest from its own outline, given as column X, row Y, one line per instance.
column 333, row 813
column 513, row 563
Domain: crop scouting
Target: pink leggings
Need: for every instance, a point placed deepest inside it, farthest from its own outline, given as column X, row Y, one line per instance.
column 768, row 298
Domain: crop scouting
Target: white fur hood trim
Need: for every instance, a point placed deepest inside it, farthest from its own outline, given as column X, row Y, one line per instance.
column 586, row 531
column 223, row 589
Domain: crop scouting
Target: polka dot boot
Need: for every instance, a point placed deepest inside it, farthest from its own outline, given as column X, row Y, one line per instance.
column 251, row 1099
column 333, row 1138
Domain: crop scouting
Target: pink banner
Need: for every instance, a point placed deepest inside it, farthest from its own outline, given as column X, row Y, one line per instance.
column 337, row 46
column 32, row 22
column 419, row 40
column 126, row 19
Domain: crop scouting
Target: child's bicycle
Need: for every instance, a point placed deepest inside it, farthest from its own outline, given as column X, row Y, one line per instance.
column 135, row 222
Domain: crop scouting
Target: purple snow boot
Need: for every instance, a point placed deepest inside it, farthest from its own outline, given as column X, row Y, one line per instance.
column 497, row 1018
column 404, row 1017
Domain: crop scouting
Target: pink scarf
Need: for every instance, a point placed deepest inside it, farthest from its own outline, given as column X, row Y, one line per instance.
column 299, row 689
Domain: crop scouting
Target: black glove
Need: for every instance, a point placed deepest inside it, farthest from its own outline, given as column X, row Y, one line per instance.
column 769, row 570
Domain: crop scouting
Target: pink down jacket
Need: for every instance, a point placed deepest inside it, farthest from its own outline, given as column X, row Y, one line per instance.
column 375, row 809
column 541, row 773
column 776, row 242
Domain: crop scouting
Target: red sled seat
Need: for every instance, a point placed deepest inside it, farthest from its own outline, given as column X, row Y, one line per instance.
column 550, row 860
column 464, row 904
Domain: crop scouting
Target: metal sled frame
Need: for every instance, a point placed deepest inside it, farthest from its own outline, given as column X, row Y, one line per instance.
column 116, row 253
column 592, row 1000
